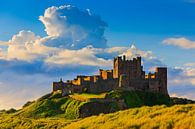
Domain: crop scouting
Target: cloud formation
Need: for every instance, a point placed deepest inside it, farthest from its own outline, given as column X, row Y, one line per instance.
column 73, row 41
column 181, row 82
column 70, row 32
column 180, row 42
column 25, row 46
column 72, row 28
column 84, row 56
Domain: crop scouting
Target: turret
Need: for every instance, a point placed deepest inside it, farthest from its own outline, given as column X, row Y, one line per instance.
column 161, row 73
column 117, row 65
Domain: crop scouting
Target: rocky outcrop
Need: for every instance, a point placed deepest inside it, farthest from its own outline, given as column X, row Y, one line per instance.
column 95, row 108
column 176, row 100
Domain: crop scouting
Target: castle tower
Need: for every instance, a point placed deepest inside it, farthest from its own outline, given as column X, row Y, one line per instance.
column 117, row 67
column 139, row 67
column 135, row 68
column 131, row 68
column 161, row 73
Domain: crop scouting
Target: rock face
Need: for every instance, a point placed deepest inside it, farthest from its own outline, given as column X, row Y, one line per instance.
column 95, row 108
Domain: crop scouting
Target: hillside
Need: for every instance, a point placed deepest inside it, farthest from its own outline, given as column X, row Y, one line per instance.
column 51, row 105
column 182, row 116
column 177, row 117
column 83, row 105
column 54, row 111
column 54, row 105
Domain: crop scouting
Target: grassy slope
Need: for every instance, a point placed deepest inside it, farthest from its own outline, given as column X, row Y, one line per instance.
column 51, row 110
column 52, row 105
column 138, row 98
column 182, row 116
column 178, row 117
column 87, row 96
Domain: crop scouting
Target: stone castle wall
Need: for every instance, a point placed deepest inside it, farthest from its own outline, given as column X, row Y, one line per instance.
column 126, row 74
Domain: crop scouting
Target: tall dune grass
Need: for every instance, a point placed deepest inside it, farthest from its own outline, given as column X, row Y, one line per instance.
column 156, row 117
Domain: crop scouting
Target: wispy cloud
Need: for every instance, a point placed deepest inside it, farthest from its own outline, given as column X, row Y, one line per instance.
column 3, row 43
column 180, row 42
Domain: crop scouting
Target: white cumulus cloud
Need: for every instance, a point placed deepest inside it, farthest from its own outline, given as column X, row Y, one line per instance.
column 134, row 52
column 25, row 46
column 73, row 28
column 84, row 56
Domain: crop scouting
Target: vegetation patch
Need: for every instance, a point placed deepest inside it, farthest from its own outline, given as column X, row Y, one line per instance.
column 87, row 96
column 72, row 109
column 140, row 98
column 54, row 105
column 55, row 111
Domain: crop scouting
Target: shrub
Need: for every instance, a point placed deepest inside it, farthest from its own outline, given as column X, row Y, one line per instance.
column 12, row 110
column 139, row 98
column 45, row 97
column 27, row 104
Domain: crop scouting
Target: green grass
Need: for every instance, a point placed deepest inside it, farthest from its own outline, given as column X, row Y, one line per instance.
column 156, row 117
column 138, row 98
column 51, row 105
column 87, row 96
column 55, row 111
column 54, row 105
column 72, row 109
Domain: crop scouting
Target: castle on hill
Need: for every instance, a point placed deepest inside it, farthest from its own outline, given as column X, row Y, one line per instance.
column 126, row 74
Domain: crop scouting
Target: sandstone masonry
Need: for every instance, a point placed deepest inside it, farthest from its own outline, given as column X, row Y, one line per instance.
column 126, row 74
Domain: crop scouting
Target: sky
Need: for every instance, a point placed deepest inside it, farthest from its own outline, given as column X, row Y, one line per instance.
column 41, row 41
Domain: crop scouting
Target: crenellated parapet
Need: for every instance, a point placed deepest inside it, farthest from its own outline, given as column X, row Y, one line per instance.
column 126, row 74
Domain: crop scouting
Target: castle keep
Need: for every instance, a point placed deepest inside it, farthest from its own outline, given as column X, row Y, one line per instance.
column 126, row 74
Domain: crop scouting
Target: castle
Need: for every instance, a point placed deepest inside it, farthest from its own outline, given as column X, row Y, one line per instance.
column 126, row 74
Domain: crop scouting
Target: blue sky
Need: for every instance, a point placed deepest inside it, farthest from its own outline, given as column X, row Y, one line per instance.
column 146, row 23
column 31, row 43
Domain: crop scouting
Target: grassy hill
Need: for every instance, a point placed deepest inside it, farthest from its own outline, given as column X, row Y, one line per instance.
column 51, row 105
column 82, row 105
column 156, row 117
column 54, row 111
column 54, row 105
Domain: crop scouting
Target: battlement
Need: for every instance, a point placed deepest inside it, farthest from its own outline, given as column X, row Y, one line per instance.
column 126, row 74
column 132, row 68
column 106, row 74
